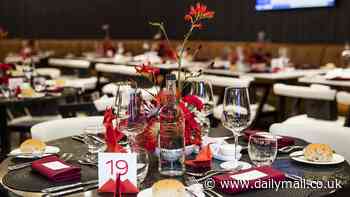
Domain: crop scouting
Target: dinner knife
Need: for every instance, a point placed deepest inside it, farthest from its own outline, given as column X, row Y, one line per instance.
column 30, row 154
column 63, row 187
column 74, row 190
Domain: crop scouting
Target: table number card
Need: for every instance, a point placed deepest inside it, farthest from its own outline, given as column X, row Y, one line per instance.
column 111, row 164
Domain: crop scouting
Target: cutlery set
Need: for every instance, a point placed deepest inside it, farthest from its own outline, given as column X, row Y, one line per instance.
column 70, row 188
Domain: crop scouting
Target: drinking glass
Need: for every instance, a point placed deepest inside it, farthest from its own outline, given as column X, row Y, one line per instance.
column 121, row 104
column 204, row 91
column 39, row 84
column 93, row 138
column 236, row 111
column 262, row 148
column 142, row 159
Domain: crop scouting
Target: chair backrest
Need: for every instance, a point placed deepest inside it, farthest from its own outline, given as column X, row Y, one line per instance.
column 314, row 92
column 62, row 128
column 71, row 110
column 319, row 101
column 336, row 136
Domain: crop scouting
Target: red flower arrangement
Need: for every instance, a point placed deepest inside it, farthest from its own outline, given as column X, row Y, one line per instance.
column 195, row 16
column 4, row 68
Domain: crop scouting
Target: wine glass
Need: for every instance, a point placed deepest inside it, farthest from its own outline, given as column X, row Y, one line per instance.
column 39, row 84
column 204, row 91
column 135, row 123
column 93, row 138
column 262, row 148
column 142, row 159
column 121, row 104
column 236, row 111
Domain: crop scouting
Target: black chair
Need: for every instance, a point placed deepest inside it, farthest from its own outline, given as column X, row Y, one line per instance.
column 72, row 110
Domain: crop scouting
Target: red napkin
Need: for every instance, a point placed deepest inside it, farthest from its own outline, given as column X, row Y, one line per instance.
column 202, row 160
column 126, row 187
column 282, row 141
column 56, row 170
column 241, row 186
column 113, row 135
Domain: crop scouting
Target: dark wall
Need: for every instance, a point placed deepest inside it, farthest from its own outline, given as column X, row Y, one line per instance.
column 235, row 20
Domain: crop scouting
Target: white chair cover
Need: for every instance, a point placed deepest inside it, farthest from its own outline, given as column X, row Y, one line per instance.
column 336, row 136
column 54, row 73
column 56, row 129
column 304, row 92
column 118, row 69
column 71, row 63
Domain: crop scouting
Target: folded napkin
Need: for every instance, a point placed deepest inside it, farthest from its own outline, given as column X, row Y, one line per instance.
column 56, row 170
column 113, row 135
column 118, row 187
column 282, row 141
column 248, row 179
column 202, row 160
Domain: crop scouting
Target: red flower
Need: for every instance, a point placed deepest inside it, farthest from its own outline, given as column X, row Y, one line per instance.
column 5, row 67
column 192, row 129
column 199, row 12
column 193, row 100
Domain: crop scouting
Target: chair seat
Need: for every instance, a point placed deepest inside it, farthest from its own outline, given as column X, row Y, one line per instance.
column 303, row 119
column 23, row 124
column 254, row 107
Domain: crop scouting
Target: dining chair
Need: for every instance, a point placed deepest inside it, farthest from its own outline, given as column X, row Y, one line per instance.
column 56, row 129
column 74, row 109
column 52, row 73
column 337, row 136
column 23, row 123
column 320, row 105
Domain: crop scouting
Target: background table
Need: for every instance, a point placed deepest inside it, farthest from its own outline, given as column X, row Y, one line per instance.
column 341, row 171
column 8, row 102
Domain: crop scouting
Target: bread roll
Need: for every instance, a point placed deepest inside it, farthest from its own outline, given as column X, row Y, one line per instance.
column 168, row 188
column 318, row 152
column 32, row 145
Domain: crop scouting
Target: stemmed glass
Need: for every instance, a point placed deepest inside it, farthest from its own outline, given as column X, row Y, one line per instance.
column 133, row 123
column 121, row 104
column 93, row 138
column 236, row 111
column 204, row 91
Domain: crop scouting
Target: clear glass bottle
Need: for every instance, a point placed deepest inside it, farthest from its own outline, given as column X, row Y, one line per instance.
column 171, row 142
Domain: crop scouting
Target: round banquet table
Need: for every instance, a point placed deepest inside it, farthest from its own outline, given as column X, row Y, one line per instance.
column 10, row 102
column 26, row 178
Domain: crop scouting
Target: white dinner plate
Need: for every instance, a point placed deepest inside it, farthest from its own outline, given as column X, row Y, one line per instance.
column 35, row 95
column 48, row 149
column 337, row 159
column 228, row 165
column 148, row 193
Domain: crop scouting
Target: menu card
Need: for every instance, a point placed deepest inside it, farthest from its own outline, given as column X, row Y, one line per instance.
column 110, row 165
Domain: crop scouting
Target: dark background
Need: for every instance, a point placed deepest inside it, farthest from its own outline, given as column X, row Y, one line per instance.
column 235, row 20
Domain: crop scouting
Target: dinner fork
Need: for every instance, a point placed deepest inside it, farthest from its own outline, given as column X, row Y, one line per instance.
column 64, row 157
column 215, row 172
